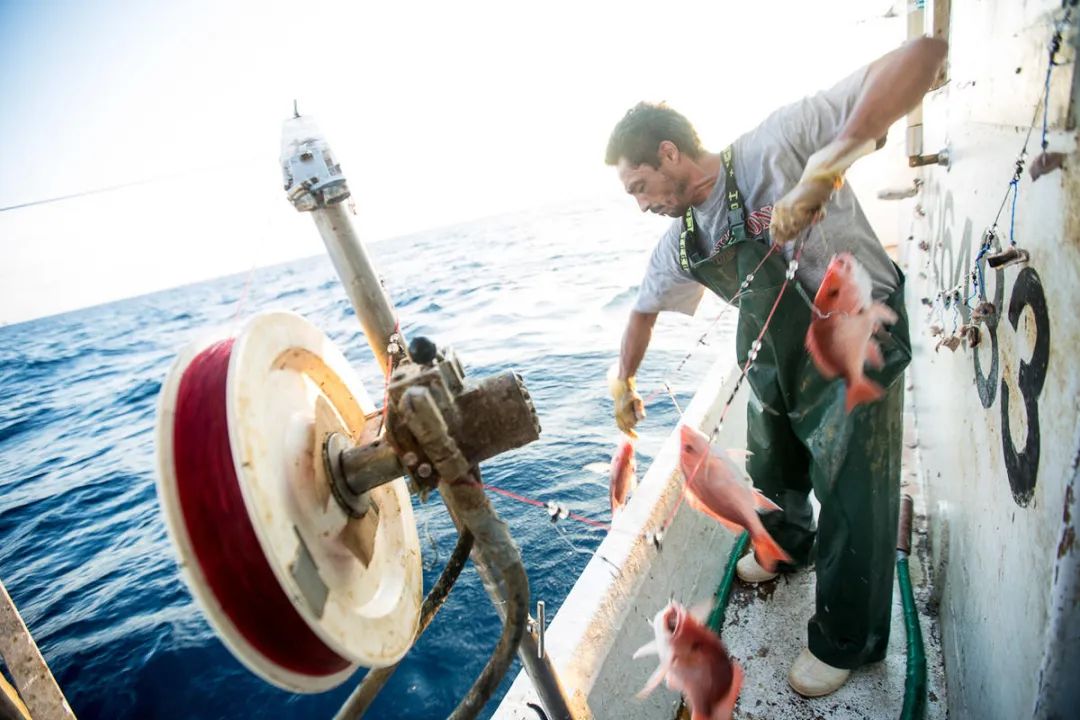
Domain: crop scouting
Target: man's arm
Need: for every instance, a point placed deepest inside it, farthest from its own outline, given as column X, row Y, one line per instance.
column 629, row 407
column 894, row 84
column 635, row 342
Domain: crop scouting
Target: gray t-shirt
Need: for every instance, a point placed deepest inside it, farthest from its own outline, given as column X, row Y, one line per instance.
column 769, row 161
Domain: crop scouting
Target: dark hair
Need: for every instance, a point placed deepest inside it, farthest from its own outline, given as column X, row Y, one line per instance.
column 638, row 135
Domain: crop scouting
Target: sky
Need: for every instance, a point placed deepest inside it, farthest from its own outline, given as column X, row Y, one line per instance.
column 438, row 112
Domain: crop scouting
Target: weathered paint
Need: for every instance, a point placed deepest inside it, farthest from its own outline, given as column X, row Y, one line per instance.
column 998, row 424
column 19, row 653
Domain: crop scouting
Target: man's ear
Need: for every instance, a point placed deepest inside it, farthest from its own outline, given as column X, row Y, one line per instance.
column 667, row 151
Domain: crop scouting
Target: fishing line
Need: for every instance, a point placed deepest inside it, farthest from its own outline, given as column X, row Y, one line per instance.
column 755, row 348
column 1013, row 187
column 744, row 289
column 220, row 530
column 673, row 400
column 578, row 550
column 537, row 503
column 393, row 350
column 952, row 298
column 242, row 300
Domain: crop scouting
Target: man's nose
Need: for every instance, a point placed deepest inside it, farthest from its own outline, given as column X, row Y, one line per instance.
column 642, row 203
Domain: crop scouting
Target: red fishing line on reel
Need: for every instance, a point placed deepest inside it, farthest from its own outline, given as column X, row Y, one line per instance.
column 299, row 590
column 221, row 534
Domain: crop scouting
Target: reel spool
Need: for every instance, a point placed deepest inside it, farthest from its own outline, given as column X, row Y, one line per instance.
column 300, row 592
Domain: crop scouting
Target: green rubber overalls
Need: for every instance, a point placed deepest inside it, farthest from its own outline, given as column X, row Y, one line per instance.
column 802, row 440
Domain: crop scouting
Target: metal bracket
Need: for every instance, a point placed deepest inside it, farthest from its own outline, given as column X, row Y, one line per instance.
column 939, row 158
column 313, row 179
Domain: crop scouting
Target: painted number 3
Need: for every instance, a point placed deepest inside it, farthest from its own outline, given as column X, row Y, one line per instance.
column 1023, row 465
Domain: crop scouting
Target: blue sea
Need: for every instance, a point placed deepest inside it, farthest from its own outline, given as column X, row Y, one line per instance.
column 83, row 547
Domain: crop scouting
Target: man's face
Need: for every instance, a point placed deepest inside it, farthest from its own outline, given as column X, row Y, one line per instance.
column 659, row 190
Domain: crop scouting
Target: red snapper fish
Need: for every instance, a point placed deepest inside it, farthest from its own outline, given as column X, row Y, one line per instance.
column 840, row 341
column 694, row 662
column 623, row 474
column 717, row 487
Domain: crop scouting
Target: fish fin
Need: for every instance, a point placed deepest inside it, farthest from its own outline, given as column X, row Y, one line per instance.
column 725, row 706
column 883, row 313
column 765, row 503
column 863, row 390
column 695, row 502
column 873, row 354
column 649, row 648
column 826, row 368
column 654, row 680
column 767, row 552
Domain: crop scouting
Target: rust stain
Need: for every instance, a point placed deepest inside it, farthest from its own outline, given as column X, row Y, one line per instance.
column 1068, row 540
column 1070, row 498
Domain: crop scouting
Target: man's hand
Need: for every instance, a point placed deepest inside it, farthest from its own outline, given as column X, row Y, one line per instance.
column 824, row 174
column 629, row 407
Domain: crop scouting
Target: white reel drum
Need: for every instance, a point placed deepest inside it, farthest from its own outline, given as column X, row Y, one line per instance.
column 299, row 591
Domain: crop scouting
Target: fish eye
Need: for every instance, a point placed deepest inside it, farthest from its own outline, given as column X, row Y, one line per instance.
column 688, row 447
column 833, row 293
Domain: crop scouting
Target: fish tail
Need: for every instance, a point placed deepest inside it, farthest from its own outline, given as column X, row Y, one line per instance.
column 863, row 390
column 768, row 552
column 765, row 503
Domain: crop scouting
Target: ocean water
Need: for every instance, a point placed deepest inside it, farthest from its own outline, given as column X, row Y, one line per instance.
column 83, row 546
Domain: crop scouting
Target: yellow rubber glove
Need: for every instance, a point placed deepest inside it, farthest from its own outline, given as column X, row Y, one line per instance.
column 629, row 407
column 824, row 174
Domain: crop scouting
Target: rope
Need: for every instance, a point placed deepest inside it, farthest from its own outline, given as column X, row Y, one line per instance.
column 1013, row 188
column 537, row 503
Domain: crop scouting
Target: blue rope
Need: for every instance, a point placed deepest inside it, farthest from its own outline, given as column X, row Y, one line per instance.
column 1012, row 222
column 1055, row 46
column 1046, row 98
column 979, row 275
column 987, row 243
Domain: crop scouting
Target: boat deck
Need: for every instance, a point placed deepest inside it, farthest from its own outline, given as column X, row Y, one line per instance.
column 766, row 629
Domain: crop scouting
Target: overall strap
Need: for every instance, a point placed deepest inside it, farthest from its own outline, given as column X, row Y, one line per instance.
column 736, row 211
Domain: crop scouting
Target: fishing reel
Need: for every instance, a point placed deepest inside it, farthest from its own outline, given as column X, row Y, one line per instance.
column 285, row 494
column 284, row 488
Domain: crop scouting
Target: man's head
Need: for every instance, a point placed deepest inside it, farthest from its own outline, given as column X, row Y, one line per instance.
column 654, row 149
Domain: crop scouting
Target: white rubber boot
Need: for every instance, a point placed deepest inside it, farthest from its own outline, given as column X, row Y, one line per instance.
column 812, row 678
column 749, row 571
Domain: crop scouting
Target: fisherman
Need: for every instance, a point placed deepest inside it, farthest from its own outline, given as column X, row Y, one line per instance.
column 782, row 183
